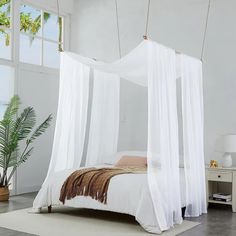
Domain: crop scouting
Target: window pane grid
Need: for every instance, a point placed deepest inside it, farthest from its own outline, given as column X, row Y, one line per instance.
column 30, row 50
column 39, row 37
column 2, row 27
column 49, row 37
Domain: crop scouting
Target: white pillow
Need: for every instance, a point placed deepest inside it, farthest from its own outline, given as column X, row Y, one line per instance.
column 118, row 156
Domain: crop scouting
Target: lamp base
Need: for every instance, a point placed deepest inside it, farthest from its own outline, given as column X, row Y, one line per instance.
column 227, row 160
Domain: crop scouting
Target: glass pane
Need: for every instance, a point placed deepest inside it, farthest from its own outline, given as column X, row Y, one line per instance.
column 5, row 13
column 30, row 20
column 6, row 87
column 5, row 46
column 52, row 27
column 51, row 57
column 30, row 49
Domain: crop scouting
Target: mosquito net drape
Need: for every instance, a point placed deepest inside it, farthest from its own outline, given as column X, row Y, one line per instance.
column 192, row 110
column 71, row 120
column 156, row 67
column 104, row 123
column 163, row 154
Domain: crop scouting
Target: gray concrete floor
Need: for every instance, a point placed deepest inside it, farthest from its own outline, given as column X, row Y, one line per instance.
column 220, row 221
column 16, row 203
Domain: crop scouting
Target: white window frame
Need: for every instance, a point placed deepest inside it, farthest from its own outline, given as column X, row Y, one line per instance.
column 15, row 38
column 41, row 37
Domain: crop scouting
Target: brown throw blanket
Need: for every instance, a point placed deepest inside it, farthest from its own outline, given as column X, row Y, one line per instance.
column 93, row 182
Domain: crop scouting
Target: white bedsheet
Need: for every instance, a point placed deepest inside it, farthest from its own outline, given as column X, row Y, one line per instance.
column 127, row 193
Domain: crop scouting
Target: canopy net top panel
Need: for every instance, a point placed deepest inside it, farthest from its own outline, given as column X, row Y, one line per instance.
column 132, row 67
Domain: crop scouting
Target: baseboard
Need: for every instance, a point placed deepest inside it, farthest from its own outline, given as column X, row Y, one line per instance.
column 27, row 189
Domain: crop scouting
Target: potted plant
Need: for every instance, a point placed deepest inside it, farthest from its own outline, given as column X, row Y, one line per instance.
column 14, row 129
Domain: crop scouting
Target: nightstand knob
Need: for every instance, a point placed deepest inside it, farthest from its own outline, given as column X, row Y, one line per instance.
column 219, row 176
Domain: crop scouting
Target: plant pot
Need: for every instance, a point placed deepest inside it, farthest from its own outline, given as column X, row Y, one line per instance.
column 4, row 194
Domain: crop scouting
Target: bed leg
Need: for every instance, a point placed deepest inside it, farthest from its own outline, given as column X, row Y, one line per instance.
column 50, row 209
column 183, row 212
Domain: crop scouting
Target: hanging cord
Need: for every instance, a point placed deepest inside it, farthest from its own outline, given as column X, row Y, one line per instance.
column 145, row 36
column 205, row 31
column 60, row 30
column 118, row 28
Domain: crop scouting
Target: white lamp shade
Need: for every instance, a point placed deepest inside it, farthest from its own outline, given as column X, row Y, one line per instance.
column 229, row 143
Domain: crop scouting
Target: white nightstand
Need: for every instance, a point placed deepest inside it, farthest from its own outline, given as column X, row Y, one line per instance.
column 221, row 180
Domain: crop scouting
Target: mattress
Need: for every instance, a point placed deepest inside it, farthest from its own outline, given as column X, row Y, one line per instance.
column 127, row 193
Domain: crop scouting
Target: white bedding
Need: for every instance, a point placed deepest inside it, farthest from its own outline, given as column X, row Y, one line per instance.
column 127, row 193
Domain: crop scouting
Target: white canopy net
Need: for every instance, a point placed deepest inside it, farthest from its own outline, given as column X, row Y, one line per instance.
column 157, row 68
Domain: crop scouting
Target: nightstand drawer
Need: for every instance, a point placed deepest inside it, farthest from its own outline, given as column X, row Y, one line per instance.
column 219, row 176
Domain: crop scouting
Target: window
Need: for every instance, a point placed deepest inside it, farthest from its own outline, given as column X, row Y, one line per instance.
column 6, row 88
column 5, row 29
column 41, row 34
column 6, row 72
column 40, row 37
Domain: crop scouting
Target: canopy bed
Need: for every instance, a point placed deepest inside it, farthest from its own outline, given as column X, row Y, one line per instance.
column 87, row 126
column 154, row 197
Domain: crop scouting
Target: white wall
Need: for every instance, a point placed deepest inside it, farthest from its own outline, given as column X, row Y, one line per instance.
column 39, row 90
column 175, row 23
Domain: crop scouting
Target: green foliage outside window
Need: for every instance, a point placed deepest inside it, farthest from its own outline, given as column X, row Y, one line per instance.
column 27, row 23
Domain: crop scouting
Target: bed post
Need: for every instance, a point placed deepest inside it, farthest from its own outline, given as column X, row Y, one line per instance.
column 50, row 209
column 183, row 212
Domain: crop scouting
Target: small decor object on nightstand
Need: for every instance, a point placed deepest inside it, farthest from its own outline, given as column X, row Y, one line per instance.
column 213, row 164
column 229, row 146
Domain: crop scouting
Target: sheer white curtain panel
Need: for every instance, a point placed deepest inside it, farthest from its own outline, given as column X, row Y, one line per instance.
column 163, row 152
column 104, row 123
column 192, row 113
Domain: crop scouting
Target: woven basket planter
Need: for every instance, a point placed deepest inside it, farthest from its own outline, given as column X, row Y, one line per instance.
column 4, row 194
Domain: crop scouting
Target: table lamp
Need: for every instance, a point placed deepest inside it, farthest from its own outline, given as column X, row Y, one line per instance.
column 229, row 146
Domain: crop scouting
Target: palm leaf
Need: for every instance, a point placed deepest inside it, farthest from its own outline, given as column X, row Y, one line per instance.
column 24, row 124
column 25, row 157
column 41, row 129
column 14, row 129
column 13, row 159
column 2, row 164
column 4, row 149
column 20, row 130
column 12, row 108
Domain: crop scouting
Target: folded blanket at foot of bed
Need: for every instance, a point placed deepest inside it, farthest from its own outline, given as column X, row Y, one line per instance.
column 93, row 182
